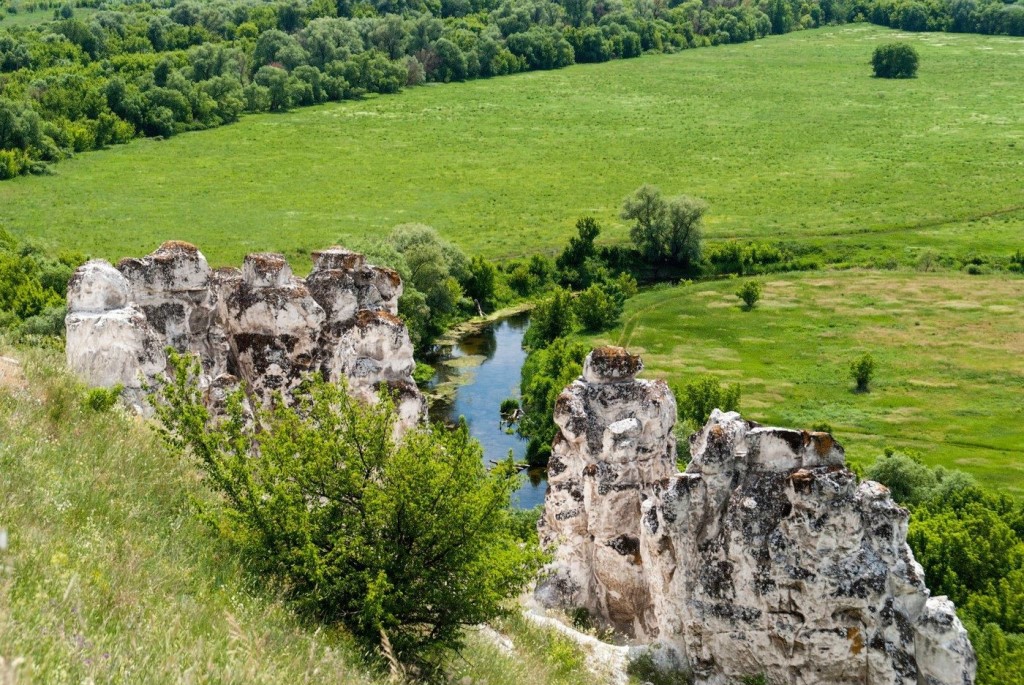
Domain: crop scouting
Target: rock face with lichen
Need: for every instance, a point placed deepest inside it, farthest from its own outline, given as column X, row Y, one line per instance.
column 261, row 325
column 766, row 556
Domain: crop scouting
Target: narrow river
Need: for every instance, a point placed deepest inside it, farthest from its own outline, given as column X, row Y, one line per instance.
column 479, row 372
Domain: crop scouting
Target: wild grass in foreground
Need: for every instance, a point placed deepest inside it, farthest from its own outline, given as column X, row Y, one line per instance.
column 787, row 138
column 108, row 576
column 948, row 352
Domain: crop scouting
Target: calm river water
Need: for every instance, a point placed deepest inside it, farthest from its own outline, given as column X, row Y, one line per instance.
column 485, row 366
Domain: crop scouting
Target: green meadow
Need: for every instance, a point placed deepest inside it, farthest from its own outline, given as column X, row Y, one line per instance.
column 787, row 138
column 948, row 348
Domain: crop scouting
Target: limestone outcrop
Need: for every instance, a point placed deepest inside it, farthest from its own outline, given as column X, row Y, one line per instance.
column 765, row 556
column 261, row 325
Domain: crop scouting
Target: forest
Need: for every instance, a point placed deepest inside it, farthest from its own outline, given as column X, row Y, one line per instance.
column 127, row 69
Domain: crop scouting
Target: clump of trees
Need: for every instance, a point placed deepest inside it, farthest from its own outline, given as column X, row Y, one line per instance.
column 441, row 284
column 33, row 288
column 666, row 230
column 970, row 542
column 895, row 60
column 696, row 399
column 404, row 543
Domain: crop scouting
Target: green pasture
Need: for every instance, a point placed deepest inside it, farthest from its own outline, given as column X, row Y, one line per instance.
column 787, row 138
column 26, row 17
column 948, row 348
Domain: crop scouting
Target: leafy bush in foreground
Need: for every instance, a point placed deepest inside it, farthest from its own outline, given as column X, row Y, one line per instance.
column 410, row 540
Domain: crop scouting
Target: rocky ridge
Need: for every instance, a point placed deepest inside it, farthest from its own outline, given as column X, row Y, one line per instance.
column 260, row 325
column 766, row 556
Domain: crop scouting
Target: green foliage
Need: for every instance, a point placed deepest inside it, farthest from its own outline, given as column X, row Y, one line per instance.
column 644, row 669
column 482, row 282
column 750, row 293
column 423, row 373
column 411, row 540
column 508, row 409
column 545, row 374
column 970, row 542
column 577, row 265
column 435, row 276
column 33, row 288
column 102, row 538
column 862, row 370
column 895, row 60
column 665, row 230
column 910, row 481
column 103, row 399
column 598, row 308
column 552, row 318
column 696, row 399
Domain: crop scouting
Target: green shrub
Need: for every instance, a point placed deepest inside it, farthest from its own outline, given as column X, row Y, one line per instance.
column 411, row 540
column 895, row 60
column 423, row 373
column 509, row 408
column 698, row 398
column 862, row 369
column 103, row 399
column 910, row 481
column 644, row 669
column 552, row 318
column 596, row 309
column 750, row 293
column 544, row 375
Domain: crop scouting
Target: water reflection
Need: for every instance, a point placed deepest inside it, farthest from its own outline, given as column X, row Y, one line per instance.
column 486, row 366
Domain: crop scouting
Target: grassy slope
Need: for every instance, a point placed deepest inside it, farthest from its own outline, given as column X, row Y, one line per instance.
column 109, row 576
column 949, row 350
column 788, row 137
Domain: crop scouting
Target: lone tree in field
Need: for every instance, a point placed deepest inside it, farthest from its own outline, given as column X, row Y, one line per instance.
column 750, row 293
column 895, row 60
column 665, row 230
column 861, row 370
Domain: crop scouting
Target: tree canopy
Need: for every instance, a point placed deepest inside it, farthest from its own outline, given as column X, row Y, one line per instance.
column 405, row 542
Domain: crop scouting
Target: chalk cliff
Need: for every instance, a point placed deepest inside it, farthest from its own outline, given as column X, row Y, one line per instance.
column 261, row 324
column 765, row 556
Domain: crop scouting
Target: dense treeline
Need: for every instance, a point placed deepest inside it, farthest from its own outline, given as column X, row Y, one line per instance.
column 970, row 542
column 134, row 69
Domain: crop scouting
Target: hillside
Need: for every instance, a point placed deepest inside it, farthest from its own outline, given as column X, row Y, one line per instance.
column 107, row 574
column 788, row 138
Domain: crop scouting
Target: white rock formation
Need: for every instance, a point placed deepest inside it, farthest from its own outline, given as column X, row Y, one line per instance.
column 766, row 556
column 261, row 325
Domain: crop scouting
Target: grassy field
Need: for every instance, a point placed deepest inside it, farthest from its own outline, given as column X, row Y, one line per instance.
column 26, row 18
column 788, row 138
column 949, row 350
column 108, row 575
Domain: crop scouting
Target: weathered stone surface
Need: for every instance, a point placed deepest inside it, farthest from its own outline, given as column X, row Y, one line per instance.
column 614, row 442
column 766, row 556
column 260, row 326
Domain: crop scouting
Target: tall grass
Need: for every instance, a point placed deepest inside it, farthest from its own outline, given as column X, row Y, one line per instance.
column 107, row 575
